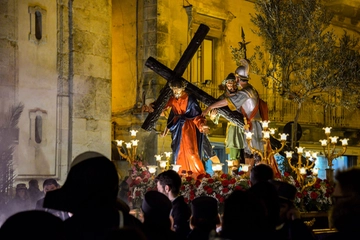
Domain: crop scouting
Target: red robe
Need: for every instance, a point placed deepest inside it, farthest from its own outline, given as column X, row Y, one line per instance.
column 185, row 122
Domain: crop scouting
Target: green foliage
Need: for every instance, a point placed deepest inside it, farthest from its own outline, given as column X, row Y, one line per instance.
column 301, row 58
column 8, row 127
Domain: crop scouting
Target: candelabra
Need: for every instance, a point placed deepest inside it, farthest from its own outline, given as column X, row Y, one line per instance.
column 301, row 168
column 165, row 164
column 152, row 170
column 130, row 154
column 268, row 152
column 217, row 168
column 329, row 147
column 230, row 165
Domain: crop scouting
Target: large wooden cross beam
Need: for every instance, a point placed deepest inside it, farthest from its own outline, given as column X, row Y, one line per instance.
column 202, row 96
column 179, row 69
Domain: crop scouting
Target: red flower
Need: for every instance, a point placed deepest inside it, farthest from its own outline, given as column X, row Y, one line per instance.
column 137, row 193
column 210, row 180
column 277, row 175
column 241, row 173
column 221, row 199
column 189, row 172
column 183, row 171
column 197, row 183
column 225, row 183
column 192, row 197
column 201, row 176
column 137, row 182
column 188, row 179
column 209, row 190
column 225, row 190
column 304, row 193
column 207, row 175
column 182, row 188
column 186, row 200
column 238, row 188
column 224, row 175
column 150, row 189
column 314, row 195
column 286, row 174
column 317, row 185
column 232, row 181
column 299, row 195
column 145, row 180
column 206, row 187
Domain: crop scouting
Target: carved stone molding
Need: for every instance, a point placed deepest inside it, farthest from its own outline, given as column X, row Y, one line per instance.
column 217, row 21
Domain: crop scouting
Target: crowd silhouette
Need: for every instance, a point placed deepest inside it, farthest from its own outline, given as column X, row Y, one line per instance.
column 90, row 199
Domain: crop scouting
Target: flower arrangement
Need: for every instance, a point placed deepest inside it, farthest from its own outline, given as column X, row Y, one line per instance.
column 220, row 187
column 140, row 181
column 318, row 196
column 314, row 198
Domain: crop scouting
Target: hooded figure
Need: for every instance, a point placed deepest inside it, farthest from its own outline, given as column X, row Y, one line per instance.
column 90, row 194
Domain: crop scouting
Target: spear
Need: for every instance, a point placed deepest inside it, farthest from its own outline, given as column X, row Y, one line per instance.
column 243, row 43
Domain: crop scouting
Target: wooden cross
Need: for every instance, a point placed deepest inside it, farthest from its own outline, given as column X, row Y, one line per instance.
column 165, row 72
column 166, row 92
column 170, row 75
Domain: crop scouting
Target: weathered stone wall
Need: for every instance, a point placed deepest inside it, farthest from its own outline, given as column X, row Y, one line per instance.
column 91, row 62
column 59, row 65
column 8, row 51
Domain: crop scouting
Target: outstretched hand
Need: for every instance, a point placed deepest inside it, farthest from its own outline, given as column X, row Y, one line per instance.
column 205, row 112
column 205, row 129
column 146, row 108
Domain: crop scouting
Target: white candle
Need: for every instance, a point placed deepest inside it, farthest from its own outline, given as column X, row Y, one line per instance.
column 289, row 154
column 307, row 154
column 283, row 136
column 265, row 124
column 163, row 163
column 134, row 142
column 344, row 141
column 245, row 167
column 167, row 154
column 133, row 133
column 323, row 142
column 314, row 154
column 272, row 131
column 217, row 166
column 119, row 142
column 175, row 167
column 128, row 144
column 248, row 135
column 315, row 171
column 334, row 139
column 152, row 168
column 230, row 163
column 158, row 157
column 300, row 150
column 327, row 129
column 302, row 170
column 266, row 134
